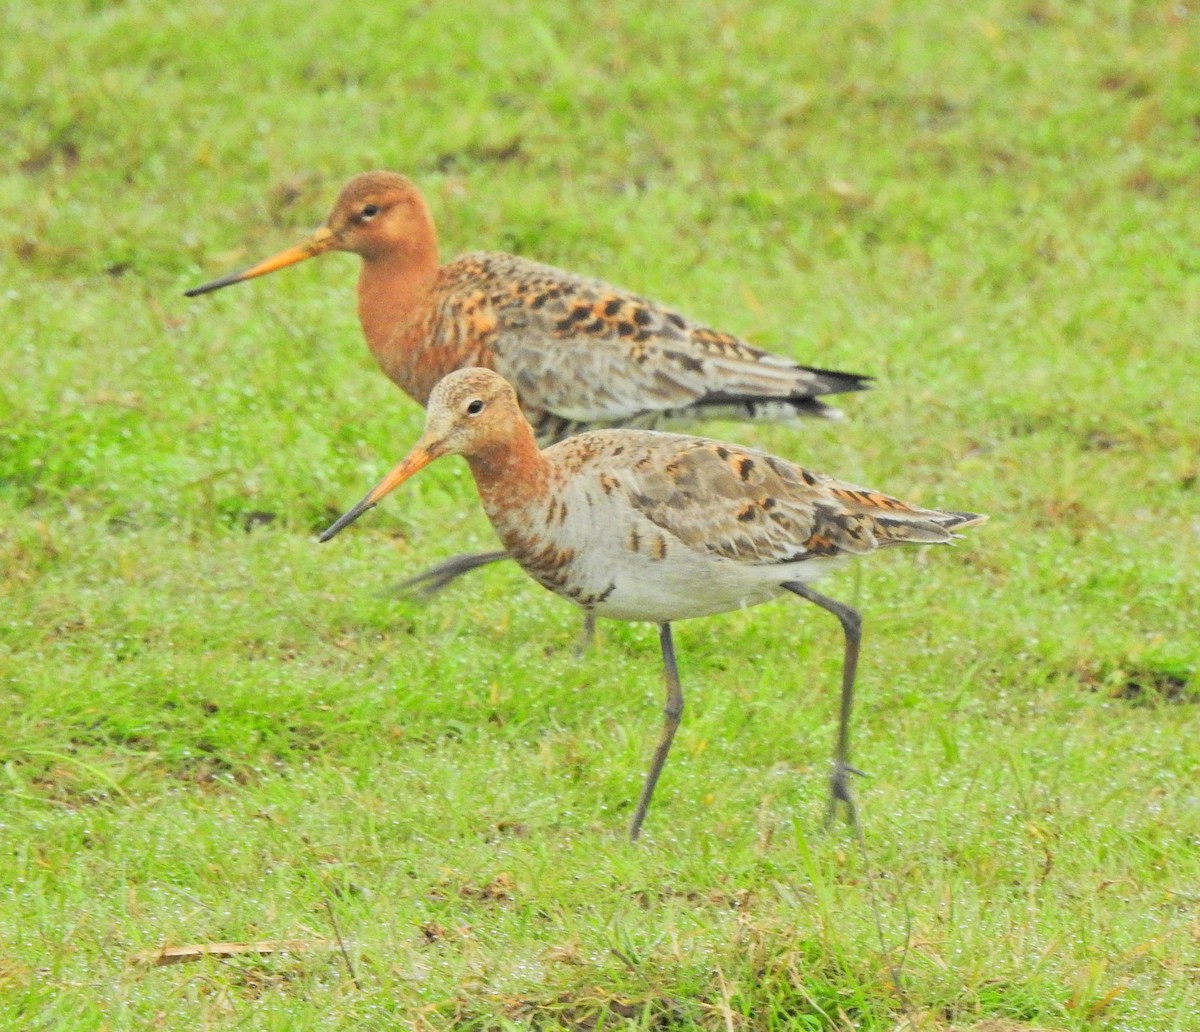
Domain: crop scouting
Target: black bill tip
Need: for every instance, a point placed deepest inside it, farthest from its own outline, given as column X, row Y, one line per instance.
column 217, row 284
column 345, row 520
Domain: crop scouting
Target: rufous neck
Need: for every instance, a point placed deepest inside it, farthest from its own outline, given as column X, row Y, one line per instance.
column 511, row 475
column 391, row 288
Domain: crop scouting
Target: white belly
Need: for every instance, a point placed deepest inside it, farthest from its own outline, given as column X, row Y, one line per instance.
column 685, row 586
column 618, row 564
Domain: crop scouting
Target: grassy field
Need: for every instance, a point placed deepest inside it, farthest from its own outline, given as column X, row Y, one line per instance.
column 213, row 730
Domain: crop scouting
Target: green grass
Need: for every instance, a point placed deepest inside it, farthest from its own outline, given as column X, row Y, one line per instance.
column 212, row 729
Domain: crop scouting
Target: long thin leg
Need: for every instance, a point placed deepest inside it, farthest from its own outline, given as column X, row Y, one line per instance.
column 429, row 582
column 671, row 714
column 587, row 637
column 839, row 782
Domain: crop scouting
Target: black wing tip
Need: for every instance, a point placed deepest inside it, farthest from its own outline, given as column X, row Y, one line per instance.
column 809, row 403
column 959, row 520
column 834, row 381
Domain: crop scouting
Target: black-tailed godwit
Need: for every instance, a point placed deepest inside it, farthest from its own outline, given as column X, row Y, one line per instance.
column 581, row 354
column 643, row 525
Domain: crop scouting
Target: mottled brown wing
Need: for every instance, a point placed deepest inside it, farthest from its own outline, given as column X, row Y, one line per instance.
column 592, row 353
column 752, row 507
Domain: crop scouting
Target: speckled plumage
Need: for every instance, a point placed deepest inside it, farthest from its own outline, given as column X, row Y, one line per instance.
column 642, row 525
column 581, row 353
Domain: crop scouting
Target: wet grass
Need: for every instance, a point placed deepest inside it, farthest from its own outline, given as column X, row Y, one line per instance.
column 213, row 730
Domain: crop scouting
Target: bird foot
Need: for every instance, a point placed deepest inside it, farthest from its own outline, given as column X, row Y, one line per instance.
column 429, row 582
column 839, row 792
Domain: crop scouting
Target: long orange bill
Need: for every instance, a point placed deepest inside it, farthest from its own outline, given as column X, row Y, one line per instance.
column 421, row 456
column 320, row 242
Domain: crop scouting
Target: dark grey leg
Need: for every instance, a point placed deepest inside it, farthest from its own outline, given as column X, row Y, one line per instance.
column 839, row 782
column 588, row 636
column 429, row 582
column 671, row 714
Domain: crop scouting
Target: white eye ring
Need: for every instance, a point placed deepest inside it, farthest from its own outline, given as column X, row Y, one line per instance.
column 474, row 407
column 369, row 212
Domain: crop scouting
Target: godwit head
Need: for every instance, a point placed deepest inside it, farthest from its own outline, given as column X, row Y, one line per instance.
column 473, row 413
column 380, row 216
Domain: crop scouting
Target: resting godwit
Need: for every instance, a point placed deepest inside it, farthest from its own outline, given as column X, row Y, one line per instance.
column 580, row 353
column 642, row 525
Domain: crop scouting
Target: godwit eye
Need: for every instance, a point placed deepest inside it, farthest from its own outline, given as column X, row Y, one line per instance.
column 369, row 212
column 474, row 407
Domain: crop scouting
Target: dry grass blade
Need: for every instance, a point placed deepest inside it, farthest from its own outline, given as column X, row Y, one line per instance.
column 182, row 954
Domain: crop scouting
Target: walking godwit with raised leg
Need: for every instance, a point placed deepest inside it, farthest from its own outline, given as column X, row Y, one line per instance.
column 641, row 525
column 581, row 353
